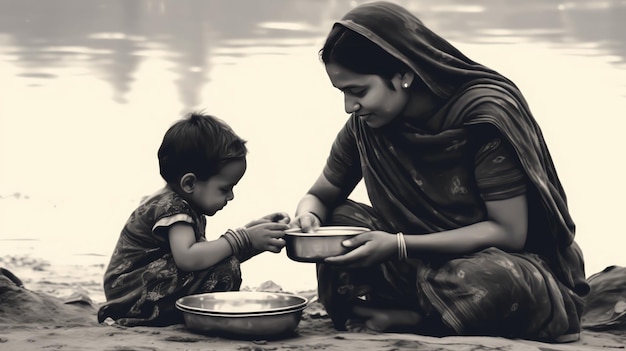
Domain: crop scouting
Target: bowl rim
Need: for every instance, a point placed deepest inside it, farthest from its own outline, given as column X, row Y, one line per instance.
column 265, row 294
column 326, row 231
column 241, row 315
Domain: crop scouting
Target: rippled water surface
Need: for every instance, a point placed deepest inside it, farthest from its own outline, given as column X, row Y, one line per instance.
column 87, row 89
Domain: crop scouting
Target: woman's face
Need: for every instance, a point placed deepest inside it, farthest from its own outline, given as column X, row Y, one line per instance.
column 369, row 96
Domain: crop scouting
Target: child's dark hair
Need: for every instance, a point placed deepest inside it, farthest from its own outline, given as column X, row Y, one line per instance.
column 200, row 144
column 358, row 54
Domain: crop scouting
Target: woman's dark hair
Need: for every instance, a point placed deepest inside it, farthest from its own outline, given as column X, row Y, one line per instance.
column 200, row 144
column 359, row 54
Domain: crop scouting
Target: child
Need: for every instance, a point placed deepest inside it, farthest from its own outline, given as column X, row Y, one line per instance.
column 162, row 253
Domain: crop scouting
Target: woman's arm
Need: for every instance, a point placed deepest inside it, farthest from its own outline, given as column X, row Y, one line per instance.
column 505, row 228
column 316, row 203
column 506, row 224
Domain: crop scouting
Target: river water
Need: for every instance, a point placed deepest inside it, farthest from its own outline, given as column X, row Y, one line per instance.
column 89, row 87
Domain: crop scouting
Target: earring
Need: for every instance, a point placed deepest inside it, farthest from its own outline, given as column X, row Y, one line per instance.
column 405, row 85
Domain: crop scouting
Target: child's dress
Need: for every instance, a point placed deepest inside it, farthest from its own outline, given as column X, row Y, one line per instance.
column 142, row 281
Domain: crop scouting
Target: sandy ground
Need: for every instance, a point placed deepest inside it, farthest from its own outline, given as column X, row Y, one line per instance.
column 38, row 337
column 55, row 310
column 31, row 320
column 312, row 334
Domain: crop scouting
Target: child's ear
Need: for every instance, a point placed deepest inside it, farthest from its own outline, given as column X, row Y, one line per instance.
column 188, row 182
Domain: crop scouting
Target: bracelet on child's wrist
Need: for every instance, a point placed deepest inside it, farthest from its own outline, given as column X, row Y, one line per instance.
column 238, row 240
column 232, row 241
column 245, row 237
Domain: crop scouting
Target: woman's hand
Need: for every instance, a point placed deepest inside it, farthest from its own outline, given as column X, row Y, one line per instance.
column 307, row 222
column 370, row 248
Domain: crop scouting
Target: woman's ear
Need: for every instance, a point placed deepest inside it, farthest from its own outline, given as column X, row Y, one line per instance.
column 188, row 182
column 406, row 79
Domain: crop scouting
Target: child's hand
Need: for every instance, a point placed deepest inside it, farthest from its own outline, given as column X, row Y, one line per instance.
column 276, row 217
column 267, row 236
column 279, row 217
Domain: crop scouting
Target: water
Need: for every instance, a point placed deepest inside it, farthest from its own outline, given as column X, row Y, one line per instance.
column 89, row 87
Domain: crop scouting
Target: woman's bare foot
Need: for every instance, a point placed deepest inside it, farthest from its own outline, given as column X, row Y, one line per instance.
column 388, row 320
column 357, row 325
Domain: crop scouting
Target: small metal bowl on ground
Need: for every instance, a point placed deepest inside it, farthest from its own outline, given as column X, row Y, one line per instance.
column 241, row 302
column 271, row 325
column 324, row 242
column 243, row 314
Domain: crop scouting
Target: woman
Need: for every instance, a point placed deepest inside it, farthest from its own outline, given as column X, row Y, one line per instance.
column 470, row 230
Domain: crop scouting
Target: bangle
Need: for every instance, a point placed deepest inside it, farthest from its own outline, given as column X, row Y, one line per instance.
column 316, row 216
column 402, row 253
column 232, row 241
column 245, row 237
column 238, row 239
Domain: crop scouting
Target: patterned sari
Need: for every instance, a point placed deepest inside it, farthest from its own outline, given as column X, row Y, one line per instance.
column 436, row 176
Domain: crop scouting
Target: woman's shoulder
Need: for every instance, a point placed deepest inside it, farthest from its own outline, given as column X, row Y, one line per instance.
column 489, row 94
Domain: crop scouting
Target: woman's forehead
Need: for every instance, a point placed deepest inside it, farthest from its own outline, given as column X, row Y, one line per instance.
column 341, row 76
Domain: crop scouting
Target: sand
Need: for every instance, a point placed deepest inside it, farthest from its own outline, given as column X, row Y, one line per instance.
column 38, row 320
column 312, row 334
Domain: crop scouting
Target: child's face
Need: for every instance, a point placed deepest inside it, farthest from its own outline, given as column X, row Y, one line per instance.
column 213, row 194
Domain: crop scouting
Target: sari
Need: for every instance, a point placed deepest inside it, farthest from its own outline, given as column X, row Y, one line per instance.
column 421, row 178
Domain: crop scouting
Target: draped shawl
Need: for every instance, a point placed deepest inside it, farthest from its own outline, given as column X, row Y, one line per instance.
column 474, row 95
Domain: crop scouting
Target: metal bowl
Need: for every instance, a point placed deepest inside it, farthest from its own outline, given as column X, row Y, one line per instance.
column 243, row 314
column 324, row 242
column 241, row 302
column 266, row 325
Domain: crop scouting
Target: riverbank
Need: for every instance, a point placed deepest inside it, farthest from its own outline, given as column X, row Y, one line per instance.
column 66, row 320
